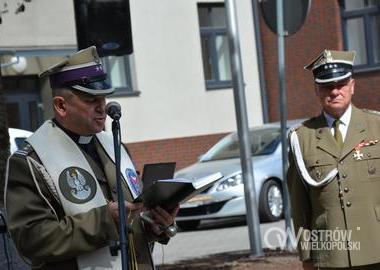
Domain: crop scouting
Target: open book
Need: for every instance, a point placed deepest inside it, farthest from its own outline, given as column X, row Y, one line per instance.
column 168, row 193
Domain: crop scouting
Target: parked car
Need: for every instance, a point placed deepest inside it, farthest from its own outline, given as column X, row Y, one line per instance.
column 17, row 138
column 225, row 199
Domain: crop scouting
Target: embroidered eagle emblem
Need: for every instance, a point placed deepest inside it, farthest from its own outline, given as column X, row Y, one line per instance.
column 79, row 187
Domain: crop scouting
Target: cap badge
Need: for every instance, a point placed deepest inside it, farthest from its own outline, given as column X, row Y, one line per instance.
column 328, row 55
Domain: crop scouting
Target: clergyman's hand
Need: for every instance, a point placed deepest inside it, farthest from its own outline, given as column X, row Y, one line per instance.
column 162, row 218
column 132, row 210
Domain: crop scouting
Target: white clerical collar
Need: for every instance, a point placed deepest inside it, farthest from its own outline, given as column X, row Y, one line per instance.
column 345, row 118
column 85, row 139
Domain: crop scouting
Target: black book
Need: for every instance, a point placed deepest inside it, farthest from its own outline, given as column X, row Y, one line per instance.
column 157, row 171
column 167, row 193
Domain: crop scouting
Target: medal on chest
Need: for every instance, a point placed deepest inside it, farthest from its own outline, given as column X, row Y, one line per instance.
column 358, row 155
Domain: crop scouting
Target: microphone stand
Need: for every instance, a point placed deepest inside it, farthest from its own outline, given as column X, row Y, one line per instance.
column 123, row 228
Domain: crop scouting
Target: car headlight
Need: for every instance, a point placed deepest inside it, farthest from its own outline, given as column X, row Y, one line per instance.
column 230, row 182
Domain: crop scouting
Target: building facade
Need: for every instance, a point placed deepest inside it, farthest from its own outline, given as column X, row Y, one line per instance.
column 175, row 89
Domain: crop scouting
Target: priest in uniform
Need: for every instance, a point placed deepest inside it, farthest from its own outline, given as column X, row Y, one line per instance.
column 60, row 198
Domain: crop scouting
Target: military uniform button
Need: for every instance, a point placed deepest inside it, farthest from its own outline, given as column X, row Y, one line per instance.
column 346, row 189
column 344, row 175
column 368, row 154
column 341, row 162
column 340, row 193
column 371, row 170
column 348, row 204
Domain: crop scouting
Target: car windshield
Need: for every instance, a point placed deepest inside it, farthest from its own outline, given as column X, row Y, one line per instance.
column 263, row 142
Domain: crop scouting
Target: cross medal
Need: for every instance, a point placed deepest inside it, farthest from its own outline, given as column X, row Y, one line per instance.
column 358, row 155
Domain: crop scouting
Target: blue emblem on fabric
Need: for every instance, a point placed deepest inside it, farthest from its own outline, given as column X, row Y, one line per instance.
column 133, row 180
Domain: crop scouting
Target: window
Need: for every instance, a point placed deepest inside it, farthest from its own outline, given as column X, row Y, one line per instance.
column 119, row 74
column 214, row 44
column 361, row 30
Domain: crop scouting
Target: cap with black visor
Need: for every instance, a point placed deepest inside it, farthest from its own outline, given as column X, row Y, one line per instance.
column 81, row 71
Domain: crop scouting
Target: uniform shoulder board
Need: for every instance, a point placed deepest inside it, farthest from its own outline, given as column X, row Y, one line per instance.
column 295, row 127
column 371, row 111
column 25, row 151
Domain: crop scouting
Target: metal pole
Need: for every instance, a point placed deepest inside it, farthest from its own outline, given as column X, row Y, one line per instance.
column 243, row 131
column 260, row 61
column 123, row 228
column 284, row 116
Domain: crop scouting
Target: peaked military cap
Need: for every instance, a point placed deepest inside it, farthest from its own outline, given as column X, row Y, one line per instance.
column 330, row 67
column 80, row 71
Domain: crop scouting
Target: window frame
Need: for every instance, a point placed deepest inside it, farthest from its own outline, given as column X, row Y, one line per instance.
column 126, row 90
column 212, row 33
column 366, row 14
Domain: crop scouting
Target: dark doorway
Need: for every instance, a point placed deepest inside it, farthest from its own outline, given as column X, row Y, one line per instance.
column 22, row 96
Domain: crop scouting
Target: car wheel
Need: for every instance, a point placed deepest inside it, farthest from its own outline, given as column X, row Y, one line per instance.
column 271, row 205
column 188, row 225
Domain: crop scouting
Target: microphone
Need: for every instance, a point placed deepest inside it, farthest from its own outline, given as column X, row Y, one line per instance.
column 113, row 109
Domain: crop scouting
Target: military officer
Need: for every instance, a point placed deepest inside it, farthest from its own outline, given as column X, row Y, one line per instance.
column 60, row 191
column 334, row 173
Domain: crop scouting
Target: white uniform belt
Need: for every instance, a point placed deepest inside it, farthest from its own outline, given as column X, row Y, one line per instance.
column 294, row 143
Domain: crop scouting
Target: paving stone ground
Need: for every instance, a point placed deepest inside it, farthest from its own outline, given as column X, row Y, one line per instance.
column 9, row 260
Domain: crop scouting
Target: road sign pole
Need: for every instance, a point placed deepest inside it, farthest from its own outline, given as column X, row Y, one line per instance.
column 243, row 131
column 284, row 116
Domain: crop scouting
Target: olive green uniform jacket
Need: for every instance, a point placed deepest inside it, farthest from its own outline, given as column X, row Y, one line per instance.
column 350, row 202
column 52, row 241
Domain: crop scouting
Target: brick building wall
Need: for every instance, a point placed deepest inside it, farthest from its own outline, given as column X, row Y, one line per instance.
column 322, row 29
column 367, row 90
column 184, row 151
